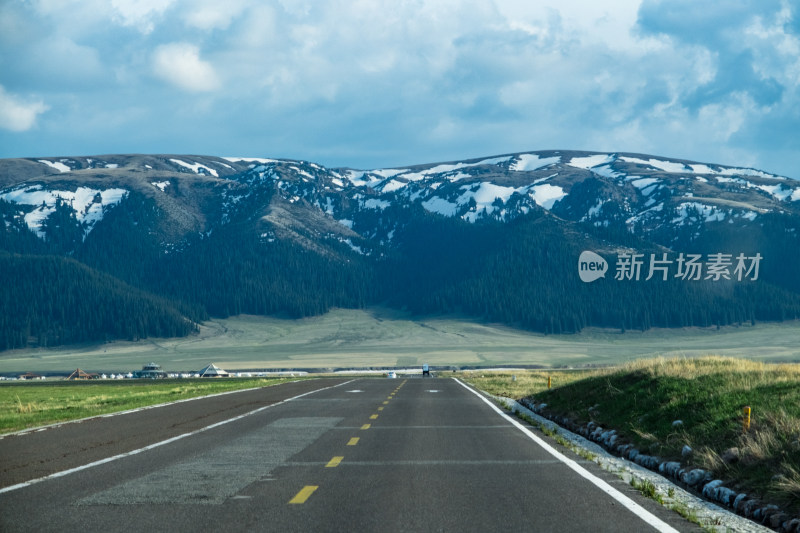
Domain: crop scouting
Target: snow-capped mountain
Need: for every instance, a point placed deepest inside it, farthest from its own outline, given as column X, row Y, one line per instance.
column 644, row 194
column 294, row 236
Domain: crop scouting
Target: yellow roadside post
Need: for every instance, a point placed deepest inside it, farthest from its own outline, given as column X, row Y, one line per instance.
column 746, row 420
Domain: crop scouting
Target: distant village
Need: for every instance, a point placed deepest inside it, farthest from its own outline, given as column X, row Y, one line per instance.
column 149, row 371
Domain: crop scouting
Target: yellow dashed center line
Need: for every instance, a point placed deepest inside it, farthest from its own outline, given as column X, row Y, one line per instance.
column 333, row 463
column 308, row 490
column 304, row 494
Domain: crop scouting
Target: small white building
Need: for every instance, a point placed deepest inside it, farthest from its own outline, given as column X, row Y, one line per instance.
column 212, row 371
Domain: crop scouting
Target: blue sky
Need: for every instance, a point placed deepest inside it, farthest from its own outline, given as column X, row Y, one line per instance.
column 378, row 83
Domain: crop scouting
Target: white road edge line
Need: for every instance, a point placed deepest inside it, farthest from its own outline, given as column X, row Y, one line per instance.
column 629, row 504
column 162, row 443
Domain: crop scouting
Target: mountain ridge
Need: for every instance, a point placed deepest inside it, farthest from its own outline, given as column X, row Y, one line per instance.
column 495, row 237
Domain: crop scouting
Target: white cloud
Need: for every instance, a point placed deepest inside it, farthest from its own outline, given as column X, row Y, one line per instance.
column 776, row 51
column 724, row 119
column 380, row 81
column 180, row 65
column 79, row 17
column 296, row 8
column 16, row 115
column 255, row 30
column 214, row 14
column 141, row 14
column 585, row 22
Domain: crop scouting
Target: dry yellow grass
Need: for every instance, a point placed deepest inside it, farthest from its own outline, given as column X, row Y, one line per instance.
column 690, row 368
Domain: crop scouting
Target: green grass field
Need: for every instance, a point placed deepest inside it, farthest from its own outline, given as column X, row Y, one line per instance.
column 32, row 404
column 386, row 338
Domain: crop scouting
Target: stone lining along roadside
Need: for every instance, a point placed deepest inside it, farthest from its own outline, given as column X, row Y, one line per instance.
column 636, row 467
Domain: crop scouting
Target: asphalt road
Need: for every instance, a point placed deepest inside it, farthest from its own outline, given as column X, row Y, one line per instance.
column 362, row 455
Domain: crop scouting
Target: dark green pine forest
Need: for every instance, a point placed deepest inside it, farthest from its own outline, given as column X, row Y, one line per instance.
column 48, row 300
column 524, row 273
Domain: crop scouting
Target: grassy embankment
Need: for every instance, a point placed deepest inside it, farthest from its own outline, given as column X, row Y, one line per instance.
column 31, row 404
column 643, row 398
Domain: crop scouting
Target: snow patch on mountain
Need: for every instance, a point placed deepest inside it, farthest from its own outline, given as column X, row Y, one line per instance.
column 591, row 161
column 740, row 181
column 747, row 172
column 392, row 186
column 607, row 171
column 702, row 169
column 643, row 183
column 691, row 210
column 196, row 167
column 647, row 214
column 374, row 203
column 58, row 165
column 530, row 162
column 547, row 195
column 262, row 160
column 440, row 206
column 356, row 249
column 362, row 178
column 542, row 180
column 88, row 204
column 458, row 176
column 388, row 172
column 659, row 164
column 594, row 212
column 451, row 167
column 779, row 192
column 391, row 180
column 488, row 198
column 487, row 193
